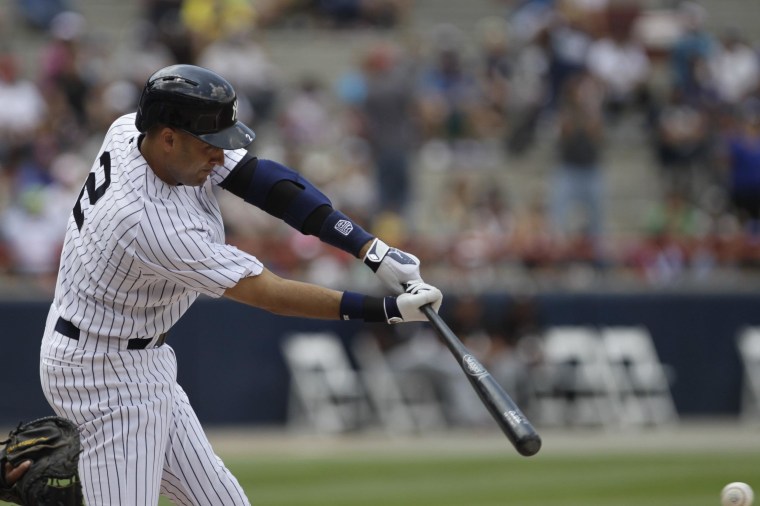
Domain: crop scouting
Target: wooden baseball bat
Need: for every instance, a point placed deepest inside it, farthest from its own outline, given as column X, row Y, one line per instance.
column 503, row 409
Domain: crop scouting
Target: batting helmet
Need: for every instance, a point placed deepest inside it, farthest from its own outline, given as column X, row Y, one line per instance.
column 195, row 100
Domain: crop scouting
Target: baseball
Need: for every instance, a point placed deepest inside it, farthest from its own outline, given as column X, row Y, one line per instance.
column 737, row 494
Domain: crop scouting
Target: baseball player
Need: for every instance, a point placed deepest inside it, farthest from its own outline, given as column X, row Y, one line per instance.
column 144, row 240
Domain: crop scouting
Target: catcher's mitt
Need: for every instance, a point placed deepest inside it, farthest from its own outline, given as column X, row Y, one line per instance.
column 52, row 444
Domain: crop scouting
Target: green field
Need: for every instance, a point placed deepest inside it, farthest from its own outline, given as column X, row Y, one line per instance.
column 679, row 466
column 685, row 465
column 693, row 479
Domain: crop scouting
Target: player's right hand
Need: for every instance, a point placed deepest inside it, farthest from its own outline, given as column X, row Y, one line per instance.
column 406, row 307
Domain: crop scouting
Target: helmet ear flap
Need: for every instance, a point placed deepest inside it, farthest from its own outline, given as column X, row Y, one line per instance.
column 146, row 113
column 152, row 112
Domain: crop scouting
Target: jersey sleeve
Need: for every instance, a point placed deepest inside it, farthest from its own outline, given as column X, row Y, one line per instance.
column 177, row 248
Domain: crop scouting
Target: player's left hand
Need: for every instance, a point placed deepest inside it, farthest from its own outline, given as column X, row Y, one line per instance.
column 394, row 267
column 12, row 474
column 406, row 307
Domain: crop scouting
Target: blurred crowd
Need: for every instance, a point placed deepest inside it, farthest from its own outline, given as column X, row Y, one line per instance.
column 560, row 75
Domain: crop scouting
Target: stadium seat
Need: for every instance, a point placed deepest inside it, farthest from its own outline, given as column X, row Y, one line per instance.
column 402, row 400
column 326, row 393
column 748, row 343
column 574, row 385
column 642, row 381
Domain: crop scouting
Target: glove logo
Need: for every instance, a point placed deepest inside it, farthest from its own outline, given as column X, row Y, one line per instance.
column 23, row 444
column 372, row 256
column 401, row 257
column 344, row 227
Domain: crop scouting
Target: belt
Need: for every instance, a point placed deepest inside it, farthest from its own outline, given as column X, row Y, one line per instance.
column 68, row 329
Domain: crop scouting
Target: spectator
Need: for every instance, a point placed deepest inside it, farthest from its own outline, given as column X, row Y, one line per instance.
column 533, row 240
column 208, row 21
column 250, row 69
column 449, row 90
column 388, row 118
column 681, row 139
column 306, row 122
column 529, row 91
column 690, row 53
column 496, row 57
column 622, row 65
column 676, row 219
column 569, row 41
column 22, row 106
column 33, row 227
column 675, row 242
column 734, row 69
column 63, row 75
column 742, row 162
column 166, row 17
column 578, row 179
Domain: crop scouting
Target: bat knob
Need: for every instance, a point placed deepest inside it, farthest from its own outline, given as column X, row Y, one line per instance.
column 529, row 445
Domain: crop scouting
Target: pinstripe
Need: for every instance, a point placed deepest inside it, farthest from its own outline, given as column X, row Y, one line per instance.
column 197, row 465
column 139, row 256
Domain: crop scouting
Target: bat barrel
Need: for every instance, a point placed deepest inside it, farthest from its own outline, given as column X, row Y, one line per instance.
column 504, row 410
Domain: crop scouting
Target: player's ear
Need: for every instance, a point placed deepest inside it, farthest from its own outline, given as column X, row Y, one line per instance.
column 167, row 136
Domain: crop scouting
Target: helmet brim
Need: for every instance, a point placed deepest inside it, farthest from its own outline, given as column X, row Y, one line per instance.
column 234, row 137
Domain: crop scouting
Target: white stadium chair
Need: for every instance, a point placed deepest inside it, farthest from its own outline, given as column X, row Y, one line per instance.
column 404, row 402
column 748, row 343
column 642, row 380
column 573, row 385
column 326, row 393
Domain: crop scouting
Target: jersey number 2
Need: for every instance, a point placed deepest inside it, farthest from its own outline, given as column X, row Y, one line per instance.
column 92, row 192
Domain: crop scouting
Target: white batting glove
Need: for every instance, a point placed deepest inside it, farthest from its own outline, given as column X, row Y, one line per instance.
column 393, row 266
column 406, row 307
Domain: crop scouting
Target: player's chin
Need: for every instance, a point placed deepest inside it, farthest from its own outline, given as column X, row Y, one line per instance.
column 202, row 177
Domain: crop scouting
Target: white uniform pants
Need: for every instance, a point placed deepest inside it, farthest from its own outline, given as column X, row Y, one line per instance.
column 140, row 436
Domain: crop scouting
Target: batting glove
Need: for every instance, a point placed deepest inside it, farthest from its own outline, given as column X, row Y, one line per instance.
column 406, row 307
column 394, row 267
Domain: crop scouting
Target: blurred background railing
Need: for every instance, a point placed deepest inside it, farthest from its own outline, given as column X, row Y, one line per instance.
column 563, row 163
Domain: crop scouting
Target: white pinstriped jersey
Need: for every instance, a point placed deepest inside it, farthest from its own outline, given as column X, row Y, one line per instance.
column 138, row 252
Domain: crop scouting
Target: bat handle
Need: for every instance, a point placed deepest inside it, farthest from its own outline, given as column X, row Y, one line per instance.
column 428, row 311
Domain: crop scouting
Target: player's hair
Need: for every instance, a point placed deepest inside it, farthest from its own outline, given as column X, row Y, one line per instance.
column 196, row 100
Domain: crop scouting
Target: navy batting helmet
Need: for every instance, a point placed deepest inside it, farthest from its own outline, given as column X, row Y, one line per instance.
column 195, row 100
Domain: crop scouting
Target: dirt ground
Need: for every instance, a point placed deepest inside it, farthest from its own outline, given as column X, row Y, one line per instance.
column 710, row 435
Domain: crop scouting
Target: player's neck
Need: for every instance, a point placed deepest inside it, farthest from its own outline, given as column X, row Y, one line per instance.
column 147, row 149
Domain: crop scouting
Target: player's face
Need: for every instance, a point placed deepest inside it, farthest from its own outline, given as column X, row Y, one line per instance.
column 192, row 160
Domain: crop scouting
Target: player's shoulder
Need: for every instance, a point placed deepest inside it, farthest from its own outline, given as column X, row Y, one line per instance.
column 122, row 129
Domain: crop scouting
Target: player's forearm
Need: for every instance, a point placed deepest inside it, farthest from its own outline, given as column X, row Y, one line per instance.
column 294, row 298
column 306, row 301
column 286, row 297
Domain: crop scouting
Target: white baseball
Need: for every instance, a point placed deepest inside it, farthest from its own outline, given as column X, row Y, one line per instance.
column 737, row 494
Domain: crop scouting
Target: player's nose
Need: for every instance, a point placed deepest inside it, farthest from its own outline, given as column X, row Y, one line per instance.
column 217, row 156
